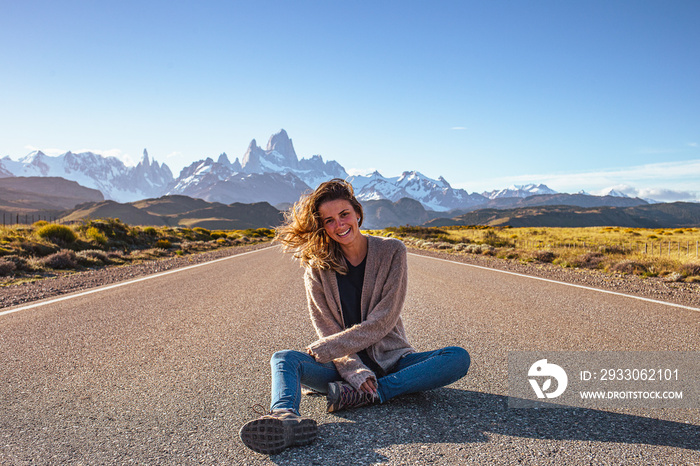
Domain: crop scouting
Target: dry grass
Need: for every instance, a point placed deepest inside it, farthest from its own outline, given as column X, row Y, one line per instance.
column 670, row 253
column 43, row 249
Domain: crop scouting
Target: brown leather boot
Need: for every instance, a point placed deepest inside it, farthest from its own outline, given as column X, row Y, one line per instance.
column 276, row 431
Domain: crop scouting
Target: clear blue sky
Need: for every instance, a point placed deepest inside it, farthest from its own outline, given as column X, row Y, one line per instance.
column 577, row 95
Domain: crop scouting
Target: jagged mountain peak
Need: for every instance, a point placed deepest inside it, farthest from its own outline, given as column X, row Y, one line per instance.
column 521, row 191
column 278, row 140
column 613, row 192
column 144, row 159
column 251, row 159
column 32, row 156
column 282, row 144
column 223, row 159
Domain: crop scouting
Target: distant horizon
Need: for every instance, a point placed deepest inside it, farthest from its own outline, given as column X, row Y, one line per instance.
column 574, row 95
column 645, row 194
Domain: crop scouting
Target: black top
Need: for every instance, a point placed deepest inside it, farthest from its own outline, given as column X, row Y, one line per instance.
column 350, row 288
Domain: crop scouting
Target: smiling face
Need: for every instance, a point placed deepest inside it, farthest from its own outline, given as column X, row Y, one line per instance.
column 341, row 221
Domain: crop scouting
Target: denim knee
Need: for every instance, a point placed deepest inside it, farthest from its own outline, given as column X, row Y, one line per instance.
column 460, row 360
column 285, row 356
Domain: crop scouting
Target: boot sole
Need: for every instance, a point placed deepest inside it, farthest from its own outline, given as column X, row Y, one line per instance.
column 272, row 436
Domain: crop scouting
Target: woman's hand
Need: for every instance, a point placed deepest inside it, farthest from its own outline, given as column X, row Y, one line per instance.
column 369, row 386
column 310, row 353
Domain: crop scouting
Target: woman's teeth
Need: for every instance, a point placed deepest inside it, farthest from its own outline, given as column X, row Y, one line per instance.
column 345, row 233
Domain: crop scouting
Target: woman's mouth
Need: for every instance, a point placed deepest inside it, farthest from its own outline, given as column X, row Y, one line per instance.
column 345, row 233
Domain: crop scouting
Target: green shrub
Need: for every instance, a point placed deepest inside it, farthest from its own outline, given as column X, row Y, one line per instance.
column 492, row 238
column 56, row 233
column 150, row 231
column 96, row 235
column 163, row 244
column 202, row 231
column 115, row 231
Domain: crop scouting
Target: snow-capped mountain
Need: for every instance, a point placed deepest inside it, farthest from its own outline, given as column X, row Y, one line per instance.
column 433, row 194
column 613, row 192
column 519, row 191
column 109, row 175
column 275, row 175
column 280, row 157
column 221, row 180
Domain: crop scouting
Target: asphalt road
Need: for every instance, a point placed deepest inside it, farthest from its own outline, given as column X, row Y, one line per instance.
column 164, row 370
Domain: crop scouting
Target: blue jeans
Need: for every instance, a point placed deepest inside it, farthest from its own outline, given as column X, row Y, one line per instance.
column 415, row 372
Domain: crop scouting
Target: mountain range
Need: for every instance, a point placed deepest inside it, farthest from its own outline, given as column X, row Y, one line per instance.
column 275, row 175
column 660, row 215
column 177, row 210
column 108, row 175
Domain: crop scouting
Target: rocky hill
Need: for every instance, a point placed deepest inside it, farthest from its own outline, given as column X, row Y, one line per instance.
column 35, row 193
column 181, row 211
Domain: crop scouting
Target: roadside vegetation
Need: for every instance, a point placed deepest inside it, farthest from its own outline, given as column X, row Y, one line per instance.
column 668, row 253
column 31, row 252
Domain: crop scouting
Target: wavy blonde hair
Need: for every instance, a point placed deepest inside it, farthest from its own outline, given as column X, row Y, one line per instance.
column 302, row 232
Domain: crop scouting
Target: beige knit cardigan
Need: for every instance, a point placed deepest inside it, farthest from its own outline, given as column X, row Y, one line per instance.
column 381, row 331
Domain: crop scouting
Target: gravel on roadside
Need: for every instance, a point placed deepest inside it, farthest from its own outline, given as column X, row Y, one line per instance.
column 686, row 294
column 12, row 295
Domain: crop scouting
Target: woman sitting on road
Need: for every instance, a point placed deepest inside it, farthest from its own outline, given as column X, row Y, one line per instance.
column 355, row 287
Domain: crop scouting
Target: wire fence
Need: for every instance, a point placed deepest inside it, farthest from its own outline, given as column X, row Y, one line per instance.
column 653, row 248
column 10, row 219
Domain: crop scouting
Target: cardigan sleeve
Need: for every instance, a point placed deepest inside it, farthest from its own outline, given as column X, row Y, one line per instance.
column 321, row 316
column 353, row 370
column 380, row 320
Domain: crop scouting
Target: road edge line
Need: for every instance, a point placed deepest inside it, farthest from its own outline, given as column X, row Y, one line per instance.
column 129, row 282
column 616, row 293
